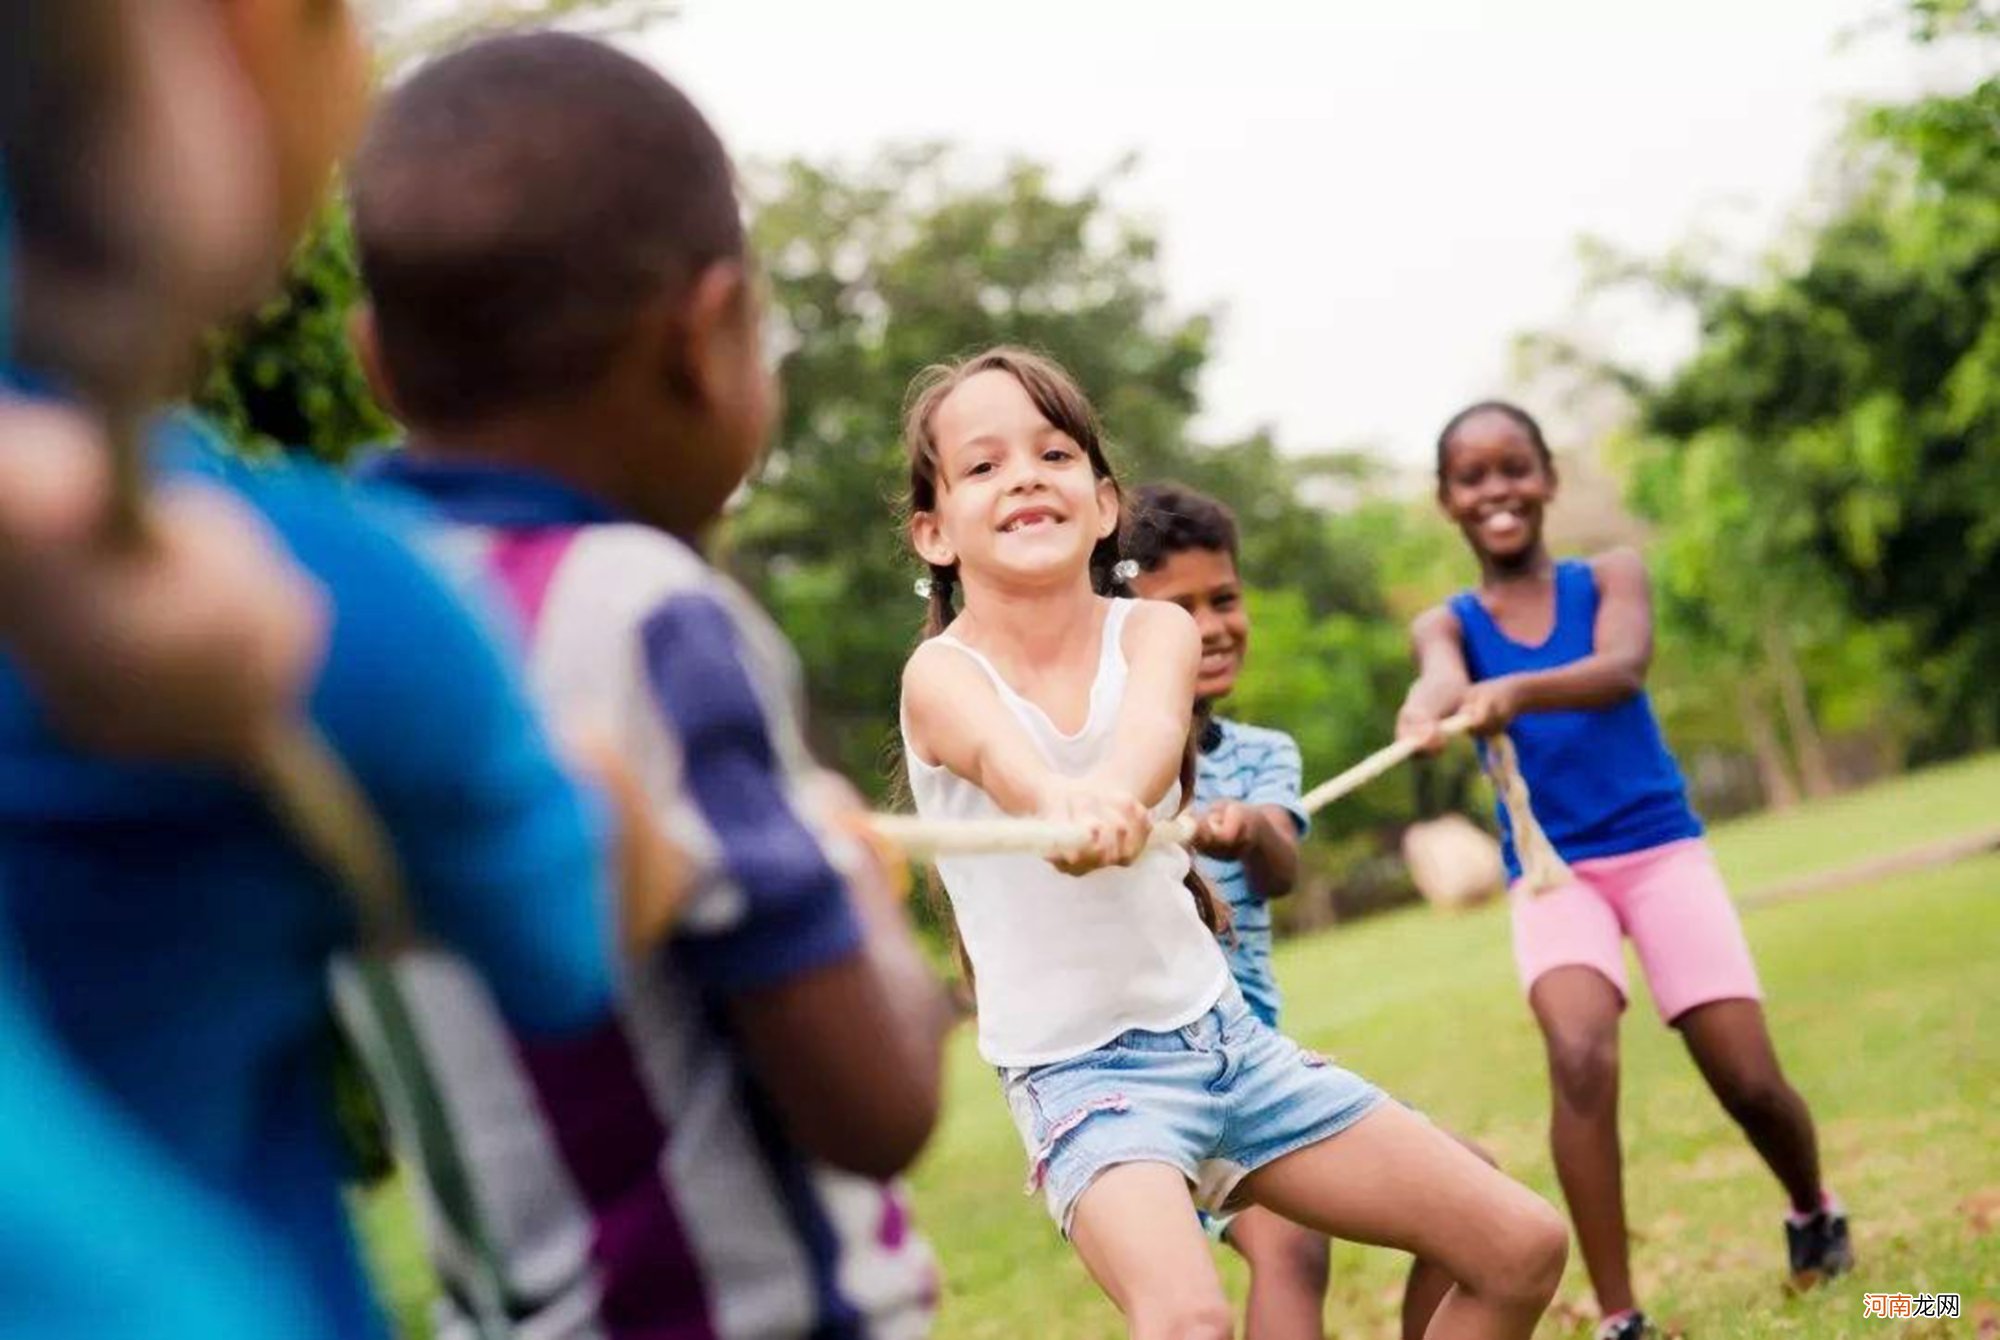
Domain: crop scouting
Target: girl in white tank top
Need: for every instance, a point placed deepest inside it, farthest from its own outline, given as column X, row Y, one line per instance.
column 1127, row 955
column 1132, row 1067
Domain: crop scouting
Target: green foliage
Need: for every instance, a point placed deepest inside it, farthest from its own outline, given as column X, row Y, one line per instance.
column 1933, row 20
column 1828, row 457
column 287, row 377
column 410, row 30
column 1334, row 681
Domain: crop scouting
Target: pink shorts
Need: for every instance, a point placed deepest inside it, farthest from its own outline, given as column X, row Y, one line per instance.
column 1670, row 899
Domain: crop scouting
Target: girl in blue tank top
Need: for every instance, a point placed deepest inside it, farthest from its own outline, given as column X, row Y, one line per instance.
column 1555, row 654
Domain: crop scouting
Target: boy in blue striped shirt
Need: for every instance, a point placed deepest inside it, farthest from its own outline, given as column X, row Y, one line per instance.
column 1247, row 782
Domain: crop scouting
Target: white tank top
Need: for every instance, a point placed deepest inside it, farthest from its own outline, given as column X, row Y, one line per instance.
column 1065, row 963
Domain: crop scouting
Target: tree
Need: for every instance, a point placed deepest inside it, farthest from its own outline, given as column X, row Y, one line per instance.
column 284, row 378
column 1853, row 401
column 409, row 30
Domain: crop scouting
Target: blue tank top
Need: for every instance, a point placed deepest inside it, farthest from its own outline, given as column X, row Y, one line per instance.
column 1601, row 779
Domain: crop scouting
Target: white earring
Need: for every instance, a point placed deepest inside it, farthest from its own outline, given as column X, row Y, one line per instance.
column 1124, row 570
column 922, row 587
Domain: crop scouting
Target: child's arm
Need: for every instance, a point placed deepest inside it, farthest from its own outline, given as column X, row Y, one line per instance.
column 1149, row 738
column 195, row 647
column 852, row 1054
column 1442, row 679
column 839, row 1020
column 1263, row 829
column 1608, row 676
column 1264, row 837
column 957, row 721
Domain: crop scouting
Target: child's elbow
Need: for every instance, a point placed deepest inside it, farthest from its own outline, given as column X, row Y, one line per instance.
column 902, row 1142
column 885, row 1139
column 1629, row 680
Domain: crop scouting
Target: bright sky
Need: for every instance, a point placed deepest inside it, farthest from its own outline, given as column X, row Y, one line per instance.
column 1376, row 196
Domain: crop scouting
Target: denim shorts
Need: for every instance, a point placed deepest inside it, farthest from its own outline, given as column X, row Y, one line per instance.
column 1216, row 1099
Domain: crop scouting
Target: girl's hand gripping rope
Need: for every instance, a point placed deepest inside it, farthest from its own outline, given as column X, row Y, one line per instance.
column 1085, row 834
column 1115, row 826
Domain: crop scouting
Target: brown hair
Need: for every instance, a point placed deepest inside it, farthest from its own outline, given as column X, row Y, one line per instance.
column 1062, row 402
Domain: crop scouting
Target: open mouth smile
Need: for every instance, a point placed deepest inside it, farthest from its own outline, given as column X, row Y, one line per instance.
column 1029, row 517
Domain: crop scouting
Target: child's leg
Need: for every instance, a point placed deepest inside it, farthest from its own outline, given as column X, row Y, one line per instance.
column 1429, row 1282
column 1137, row 1233
column 1395, row 1180
column 1578, row 1010
column 1704, row 980
column 1732, row 1047
column 1423, row 1294
column 1288, row 1270
column 1570, row 951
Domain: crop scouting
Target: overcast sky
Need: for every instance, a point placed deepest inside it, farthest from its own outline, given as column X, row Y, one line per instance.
column 1374, row 195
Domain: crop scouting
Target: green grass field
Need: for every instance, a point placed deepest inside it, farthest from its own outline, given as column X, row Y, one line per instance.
column 1885, row 1002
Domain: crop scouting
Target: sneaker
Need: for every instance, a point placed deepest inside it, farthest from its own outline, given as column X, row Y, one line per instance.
column 1627, row 1325
column 1818, row 1246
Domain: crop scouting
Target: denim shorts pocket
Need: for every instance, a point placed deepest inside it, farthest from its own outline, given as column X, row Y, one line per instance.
column 1019, row 1088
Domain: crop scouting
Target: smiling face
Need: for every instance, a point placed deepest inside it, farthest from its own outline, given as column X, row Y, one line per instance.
column 1204, row 583
column 1495, row 483
column 1018, row 500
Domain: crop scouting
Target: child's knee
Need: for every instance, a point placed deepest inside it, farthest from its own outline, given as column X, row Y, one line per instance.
column 1583, row 1068
column 1287, row 1253
column 1202, row 1314
column 1541, row 1251
column 1524, row 1262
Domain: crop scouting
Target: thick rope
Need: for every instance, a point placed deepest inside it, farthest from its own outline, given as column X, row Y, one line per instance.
column 925, row 840
column 1542, row 867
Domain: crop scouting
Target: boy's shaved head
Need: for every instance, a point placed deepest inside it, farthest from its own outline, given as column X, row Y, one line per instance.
column 515, row 203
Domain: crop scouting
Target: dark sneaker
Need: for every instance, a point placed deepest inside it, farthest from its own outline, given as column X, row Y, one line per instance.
column 1625, row 1326
column 1818, row 1247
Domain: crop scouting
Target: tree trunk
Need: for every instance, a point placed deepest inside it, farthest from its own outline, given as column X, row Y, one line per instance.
column 1775, row 777
column 1807, row 746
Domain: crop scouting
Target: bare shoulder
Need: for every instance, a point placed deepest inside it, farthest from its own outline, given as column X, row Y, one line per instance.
column 1621, row 570
column 1159, row 624
column 1436, row 624
column 935, row 669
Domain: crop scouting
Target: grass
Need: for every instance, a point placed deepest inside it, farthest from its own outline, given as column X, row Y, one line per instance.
column 1884, row 1003
column 1937, row 803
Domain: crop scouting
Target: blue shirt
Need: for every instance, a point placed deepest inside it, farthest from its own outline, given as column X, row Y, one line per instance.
column 176, row 936
column 1601, row 780
column 1257, row 767
column 99, row 1235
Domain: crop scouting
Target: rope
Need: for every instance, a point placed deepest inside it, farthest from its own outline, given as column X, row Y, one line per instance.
column 1542, row 867
column 925, row 840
